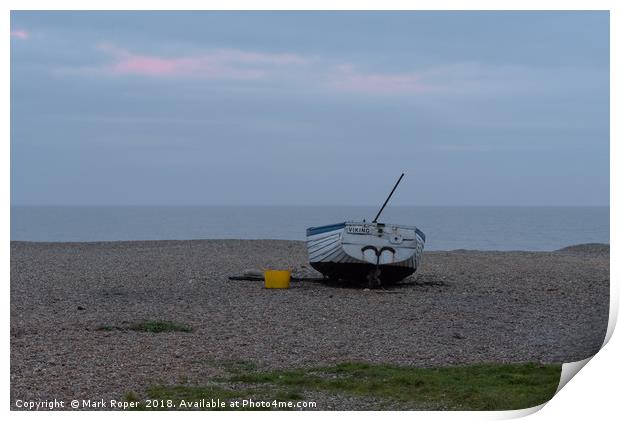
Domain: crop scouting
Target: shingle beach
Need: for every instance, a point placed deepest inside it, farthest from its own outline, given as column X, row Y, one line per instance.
column 462, row 307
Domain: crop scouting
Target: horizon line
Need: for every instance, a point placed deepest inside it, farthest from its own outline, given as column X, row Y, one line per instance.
column 304, row 205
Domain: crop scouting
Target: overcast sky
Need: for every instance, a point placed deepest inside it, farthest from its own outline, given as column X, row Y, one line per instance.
column 499, row 108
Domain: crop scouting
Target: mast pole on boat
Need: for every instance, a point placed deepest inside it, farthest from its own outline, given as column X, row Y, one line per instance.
column 388, row 198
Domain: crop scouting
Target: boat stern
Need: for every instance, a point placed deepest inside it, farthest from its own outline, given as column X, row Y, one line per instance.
column 381, row 244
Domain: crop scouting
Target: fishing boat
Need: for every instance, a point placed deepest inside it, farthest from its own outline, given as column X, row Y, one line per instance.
column 373, row 252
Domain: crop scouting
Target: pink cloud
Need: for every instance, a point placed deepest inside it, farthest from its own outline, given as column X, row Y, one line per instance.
column 218, row 64
column 20, row 34
column 294, row 71
column 348, row 79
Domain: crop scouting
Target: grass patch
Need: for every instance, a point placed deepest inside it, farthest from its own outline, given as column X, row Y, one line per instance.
column 106, row 328
column 475, row 387
column 131, row 397
column 153, row 326
column 158, row 326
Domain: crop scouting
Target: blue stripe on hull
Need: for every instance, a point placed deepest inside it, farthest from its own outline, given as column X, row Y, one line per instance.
column 325, row 228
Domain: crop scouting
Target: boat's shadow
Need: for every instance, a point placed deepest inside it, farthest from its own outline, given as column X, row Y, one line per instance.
column 410, row 282
column 415, row 281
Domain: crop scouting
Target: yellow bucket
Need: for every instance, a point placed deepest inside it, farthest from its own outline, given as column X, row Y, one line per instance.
column 277, row 278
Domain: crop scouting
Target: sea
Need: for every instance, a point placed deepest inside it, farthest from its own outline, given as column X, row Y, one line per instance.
column 446, row 228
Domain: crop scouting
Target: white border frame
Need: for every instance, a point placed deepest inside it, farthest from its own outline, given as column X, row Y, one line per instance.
column 591, row 394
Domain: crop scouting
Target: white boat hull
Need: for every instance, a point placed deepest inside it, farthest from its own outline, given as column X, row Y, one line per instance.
column 353, row 250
